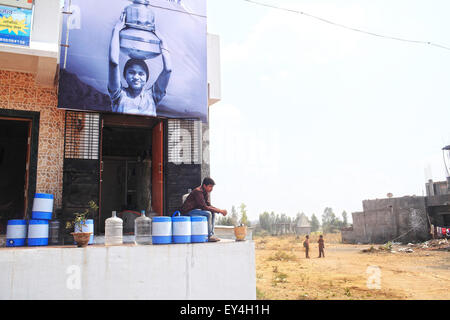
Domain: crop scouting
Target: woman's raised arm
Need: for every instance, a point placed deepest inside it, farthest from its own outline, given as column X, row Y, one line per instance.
column 114, row 52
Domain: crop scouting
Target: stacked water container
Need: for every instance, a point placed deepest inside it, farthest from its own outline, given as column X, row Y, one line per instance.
column 199, row 229
column 16, row 233
column 161, row 230
column 41, row 215
column 181, row 228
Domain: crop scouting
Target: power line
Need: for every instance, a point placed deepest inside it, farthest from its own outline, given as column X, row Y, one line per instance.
column 347, row 27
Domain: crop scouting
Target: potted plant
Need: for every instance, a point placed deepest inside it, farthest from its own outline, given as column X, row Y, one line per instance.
column 79, row 224
column 240, row 232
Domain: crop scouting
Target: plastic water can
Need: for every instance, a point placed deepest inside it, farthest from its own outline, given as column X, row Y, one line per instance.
column 38, row 233
column 199, row 229
column 143, row 229
column 181, row 228
column 161, row 230
column 88, row 227
column 42, row 206
column 113, row 230
column 16, row 233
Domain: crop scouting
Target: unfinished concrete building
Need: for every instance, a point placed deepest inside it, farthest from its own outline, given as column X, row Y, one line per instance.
column 404, row 219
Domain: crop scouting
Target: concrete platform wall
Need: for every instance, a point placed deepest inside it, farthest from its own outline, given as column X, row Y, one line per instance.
column 204, row 271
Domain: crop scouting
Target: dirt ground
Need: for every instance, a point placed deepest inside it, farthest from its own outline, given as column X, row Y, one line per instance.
column 346, row 272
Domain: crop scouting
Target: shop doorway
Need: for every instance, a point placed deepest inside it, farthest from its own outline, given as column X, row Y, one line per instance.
column 15, row 138
column 127, row 161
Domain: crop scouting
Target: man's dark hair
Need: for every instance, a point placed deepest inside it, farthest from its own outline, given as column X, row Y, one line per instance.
column 208, row 181
column 307, row 237
column 139, row 62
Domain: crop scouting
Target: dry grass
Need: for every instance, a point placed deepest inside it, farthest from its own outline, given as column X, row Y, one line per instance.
column 283, row 272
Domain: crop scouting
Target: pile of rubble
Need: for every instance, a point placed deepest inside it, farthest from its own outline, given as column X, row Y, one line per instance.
column 394, row 247
column 432, row 244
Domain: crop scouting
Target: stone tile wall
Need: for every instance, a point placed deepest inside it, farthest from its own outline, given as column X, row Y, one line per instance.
column 18, row 91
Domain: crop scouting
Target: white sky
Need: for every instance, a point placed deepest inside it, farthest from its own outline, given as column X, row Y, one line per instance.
column 316, row 116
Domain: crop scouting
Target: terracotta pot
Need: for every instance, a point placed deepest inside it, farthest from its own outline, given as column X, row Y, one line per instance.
column 240, row 233
column 82, row 238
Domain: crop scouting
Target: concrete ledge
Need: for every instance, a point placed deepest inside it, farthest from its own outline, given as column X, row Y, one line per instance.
column 227, row 232
column 203, row 271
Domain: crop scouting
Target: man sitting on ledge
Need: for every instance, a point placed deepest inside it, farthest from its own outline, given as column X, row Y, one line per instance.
column 198, row 204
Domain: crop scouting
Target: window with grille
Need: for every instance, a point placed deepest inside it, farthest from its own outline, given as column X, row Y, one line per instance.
column 184, row 141
column 82, row 135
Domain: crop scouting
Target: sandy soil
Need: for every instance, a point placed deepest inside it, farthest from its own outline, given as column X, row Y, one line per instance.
column 283, row 272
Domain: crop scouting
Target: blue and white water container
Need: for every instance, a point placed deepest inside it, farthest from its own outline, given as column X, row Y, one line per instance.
column 16, row 233
column 199, row 229
column 38, row 232
column 88, row 227
column 181, row 228
column 42, row 206
column 161, row 230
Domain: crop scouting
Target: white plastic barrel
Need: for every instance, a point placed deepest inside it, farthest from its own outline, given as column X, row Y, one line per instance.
column 38, row 233
column 199, row 229
column 88, row 227
column 16, row 233
column 161, row 230
column 42, row 206
column 181, row 228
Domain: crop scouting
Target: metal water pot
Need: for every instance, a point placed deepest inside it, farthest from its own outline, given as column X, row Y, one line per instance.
column 138, row 38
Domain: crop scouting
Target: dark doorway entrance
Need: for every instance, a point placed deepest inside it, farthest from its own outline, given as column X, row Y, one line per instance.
column 126, row 171
column 15, row 137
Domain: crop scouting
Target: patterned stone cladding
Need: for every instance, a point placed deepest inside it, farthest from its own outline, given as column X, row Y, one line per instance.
column 18, row 91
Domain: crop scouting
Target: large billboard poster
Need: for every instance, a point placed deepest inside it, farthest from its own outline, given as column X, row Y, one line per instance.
column 143, row 57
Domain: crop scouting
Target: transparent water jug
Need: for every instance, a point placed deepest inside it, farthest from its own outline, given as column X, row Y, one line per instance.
column 143, row 229
column 53, row 232
column 113, row 230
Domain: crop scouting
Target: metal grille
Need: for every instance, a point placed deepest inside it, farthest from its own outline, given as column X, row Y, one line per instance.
column 184, row 141
column 82, row 135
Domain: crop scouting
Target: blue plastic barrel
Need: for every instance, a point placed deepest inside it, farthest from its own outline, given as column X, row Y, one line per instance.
column 38, row 233
column 181, row 228
column 16, row 233
column 199, row 229
column 161, row 230
column 88, row 227
column 42, row 206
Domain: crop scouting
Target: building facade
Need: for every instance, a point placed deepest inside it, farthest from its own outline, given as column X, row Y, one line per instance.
column 125, row 163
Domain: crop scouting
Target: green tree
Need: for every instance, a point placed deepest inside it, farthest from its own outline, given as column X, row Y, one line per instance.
column 234, row 216
column 315, row 224
column 224, row 221
column 330, row 223
column 344, row 219
column 244, row 218
column 264, row 221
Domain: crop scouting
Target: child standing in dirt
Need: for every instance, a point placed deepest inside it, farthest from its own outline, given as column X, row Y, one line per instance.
column 321, row 243
column 306, row 245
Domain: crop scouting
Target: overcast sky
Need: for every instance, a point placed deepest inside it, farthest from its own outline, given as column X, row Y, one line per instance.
column 314, row 115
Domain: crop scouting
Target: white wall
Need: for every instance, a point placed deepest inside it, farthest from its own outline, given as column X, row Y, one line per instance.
column 204, row 271
column 213, row 65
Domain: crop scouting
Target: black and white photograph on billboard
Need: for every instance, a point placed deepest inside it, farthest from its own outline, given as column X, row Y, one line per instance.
column 131, row 58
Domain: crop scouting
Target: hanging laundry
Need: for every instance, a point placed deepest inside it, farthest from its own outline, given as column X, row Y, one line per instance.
column 444, row 231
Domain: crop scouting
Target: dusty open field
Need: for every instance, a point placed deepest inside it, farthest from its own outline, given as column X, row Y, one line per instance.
column 283, row 272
